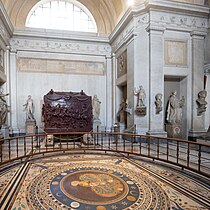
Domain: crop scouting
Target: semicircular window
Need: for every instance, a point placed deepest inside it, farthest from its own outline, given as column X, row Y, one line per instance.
column 62, row 15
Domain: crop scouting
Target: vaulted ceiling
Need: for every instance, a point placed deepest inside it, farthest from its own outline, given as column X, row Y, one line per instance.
column 106, row 12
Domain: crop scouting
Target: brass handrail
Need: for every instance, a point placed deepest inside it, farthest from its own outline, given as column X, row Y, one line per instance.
column 183, row 153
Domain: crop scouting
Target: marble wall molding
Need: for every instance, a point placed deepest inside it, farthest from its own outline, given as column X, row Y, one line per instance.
column 60, row 46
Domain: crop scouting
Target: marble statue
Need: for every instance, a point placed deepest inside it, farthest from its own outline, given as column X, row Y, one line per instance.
column 174, row 109
column 96, row 107
column 141, row 95
column 201, row 102
column 4, row 108
column 122, row 112
column 158, row 102
column 29, row 108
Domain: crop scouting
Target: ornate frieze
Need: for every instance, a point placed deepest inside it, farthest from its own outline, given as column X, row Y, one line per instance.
column 124, row 36
column 4, row 35
column 180, row 21
column 69, row 46
column 60, row 66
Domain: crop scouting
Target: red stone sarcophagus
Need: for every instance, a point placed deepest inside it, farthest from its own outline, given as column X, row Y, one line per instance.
column 67, row 112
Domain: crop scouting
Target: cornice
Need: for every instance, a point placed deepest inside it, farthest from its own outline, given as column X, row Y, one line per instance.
column 60, row 35
column 166, row 6
column 5, row 19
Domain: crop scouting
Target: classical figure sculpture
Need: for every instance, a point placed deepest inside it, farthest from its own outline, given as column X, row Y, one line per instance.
column 141, row 95
column 201, row 102
column 158, row 103
column 29, row 108
column 4, row 108
column 96, row 107
column 174, row 109
column 122, row 111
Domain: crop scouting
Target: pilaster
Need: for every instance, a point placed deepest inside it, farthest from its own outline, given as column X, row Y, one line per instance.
column 156, row 79
column 197, row 121
column 13, row 87
column 108, row 92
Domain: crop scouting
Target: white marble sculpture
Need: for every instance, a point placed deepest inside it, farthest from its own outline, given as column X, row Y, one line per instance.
column 158, row 102
column 96, row 107
column 174, row 109
column 29, row 108
column 4, row 108
column 141, row 95
column 201, row 101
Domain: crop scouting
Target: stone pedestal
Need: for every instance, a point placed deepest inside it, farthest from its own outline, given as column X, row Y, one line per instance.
column 30, row 127
column 158, row 133
column 174, row 131
column 142, row 111
column 4, row 133
column 96, row 125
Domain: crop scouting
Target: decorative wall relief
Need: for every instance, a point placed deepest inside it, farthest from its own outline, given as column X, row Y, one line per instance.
column 122, row 64
column 175, row 53
column 60, row 66
column 158, row 103
column 141, row 95
column 201, row 102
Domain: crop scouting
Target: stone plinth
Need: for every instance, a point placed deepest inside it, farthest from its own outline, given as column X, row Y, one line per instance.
column 174, row 131
column 96, row 125
column 30, row 127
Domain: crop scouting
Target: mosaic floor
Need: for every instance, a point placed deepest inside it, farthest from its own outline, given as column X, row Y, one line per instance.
column 102, row 182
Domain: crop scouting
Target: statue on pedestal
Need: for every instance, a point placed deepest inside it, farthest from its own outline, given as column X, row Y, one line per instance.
column 121, row 114
column 174, row 110
column 30, row 120
column 141, row 95
column 29, row 108
column 174, row 115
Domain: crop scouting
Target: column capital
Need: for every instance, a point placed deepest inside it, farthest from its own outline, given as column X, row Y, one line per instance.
column 198, row 34
column 155, row 28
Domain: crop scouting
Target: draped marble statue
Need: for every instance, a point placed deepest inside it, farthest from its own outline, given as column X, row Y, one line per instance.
column 174, row 110
column 4, row 108
column 174, row 116
column 29, row 108
column 96, row 107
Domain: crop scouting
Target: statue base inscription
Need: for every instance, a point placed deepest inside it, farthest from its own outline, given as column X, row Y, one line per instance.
column 174, row 131
column 30, row 127
column 142, row 111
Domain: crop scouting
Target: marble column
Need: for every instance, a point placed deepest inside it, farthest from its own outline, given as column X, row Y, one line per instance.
column 197, row 122
column 13, row 88
column 156, row 79
column 108, row 92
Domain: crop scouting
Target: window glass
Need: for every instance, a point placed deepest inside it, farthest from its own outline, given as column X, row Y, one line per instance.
column 63, row 15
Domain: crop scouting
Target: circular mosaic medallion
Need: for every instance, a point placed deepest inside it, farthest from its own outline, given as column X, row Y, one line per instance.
column 100, row 187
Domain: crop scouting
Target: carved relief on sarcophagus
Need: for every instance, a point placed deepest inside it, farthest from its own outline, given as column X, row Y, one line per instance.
column 67, row 112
